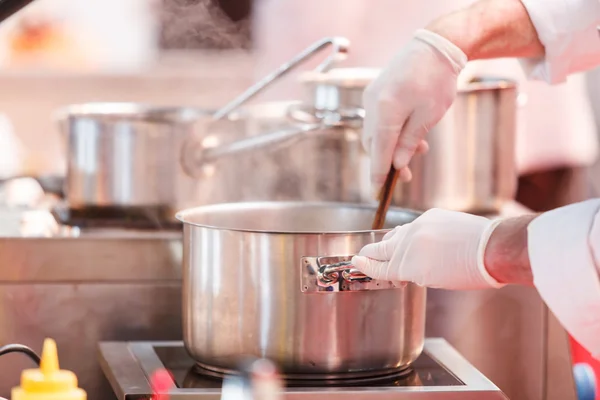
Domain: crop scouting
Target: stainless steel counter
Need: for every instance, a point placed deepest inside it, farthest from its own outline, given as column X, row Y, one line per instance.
column 83, row 290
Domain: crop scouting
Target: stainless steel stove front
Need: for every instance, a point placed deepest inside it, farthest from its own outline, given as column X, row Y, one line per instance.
column 441, row 373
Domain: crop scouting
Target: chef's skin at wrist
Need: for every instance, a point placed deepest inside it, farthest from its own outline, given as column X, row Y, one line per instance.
column 491, row 29
column 506, row 257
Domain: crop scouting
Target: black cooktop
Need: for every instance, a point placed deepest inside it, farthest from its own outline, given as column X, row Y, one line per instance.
column 425, row 371
column 440, row 373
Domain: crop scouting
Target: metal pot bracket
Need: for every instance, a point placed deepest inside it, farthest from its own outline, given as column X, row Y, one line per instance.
column 335, row 274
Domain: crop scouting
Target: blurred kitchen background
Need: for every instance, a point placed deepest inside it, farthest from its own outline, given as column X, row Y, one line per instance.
column 203, row 52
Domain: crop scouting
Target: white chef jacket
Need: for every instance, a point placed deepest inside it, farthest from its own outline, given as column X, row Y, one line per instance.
column 568, row 29
column 564, row 252
column 564, row 244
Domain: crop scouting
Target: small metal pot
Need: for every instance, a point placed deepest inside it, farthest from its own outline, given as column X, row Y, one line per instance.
column 127, row 155
column 272, row 280
column 292, row 150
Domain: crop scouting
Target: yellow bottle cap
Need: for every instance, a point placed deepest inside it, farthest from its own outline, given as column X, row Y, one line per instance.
column 48, row 382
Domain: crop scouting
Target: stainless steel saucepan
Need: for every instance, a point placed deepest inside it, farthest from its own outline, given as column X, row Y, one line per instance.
column 273, row 280
column 127, row 155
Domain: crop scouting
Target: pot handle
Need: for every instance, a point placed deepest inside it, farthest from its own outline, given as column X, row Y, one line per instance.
column 194, row 155
column 335, row 274
column 339, row 46
column 329, row 274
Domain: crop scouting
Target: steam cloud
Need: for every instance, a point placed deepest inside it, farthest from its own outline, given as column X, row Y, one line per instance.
column 195, row 24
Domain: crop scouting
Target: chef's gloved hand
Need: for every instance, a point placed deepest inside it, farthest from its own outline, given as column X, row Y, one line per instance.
column 440, row 249
column 409, row 97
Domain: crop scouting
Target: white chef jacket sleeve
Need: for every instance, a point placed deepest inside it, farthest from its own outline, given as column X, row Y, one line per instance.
column 568, row 31
column 564, row 249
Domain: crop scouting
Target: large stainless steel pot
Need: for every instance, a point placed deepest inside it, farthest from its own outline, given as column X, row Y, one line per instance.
column 311, row 150
column 326, row 164
column 293, row 150
column 261, row 279
column 127, row 155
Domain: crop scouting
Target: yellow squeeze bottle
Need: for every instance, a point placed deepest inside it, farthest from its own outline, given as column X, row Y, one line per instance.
column 48, row 382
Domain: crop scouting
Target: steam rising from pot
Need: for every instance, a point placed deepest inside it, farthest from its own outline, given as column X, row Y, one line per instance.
column 189, row 24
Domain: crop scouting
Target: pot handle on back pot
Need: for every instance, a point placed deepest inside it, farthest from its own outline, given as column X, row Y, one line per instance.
column 195, row 154
column 335, row 274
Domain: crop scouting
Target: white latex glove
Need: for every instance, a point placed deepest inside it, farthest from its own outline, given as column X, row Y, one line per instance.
column 440, row 249
column 409, row 97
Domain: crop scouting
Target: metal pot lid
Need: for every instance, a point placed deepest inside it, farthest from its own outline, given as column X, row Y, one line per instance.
column 334, row 95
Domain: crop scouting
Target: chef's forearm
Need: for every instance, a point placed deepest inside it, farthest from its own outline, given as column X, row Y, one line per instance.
column 491, row 29
column 506, row 257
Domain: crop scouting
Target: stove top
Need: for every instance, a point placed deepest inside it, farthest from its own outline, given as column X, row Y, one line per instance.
column 147, row 218
column 439, row 373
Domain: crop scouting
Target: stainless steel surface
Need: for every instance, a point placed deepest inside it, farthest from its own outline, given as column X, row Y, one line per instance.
column 339, row 47
column 471, row 162
column 127, row 155
column 242, row 290
column 128, row 367
column 82, row 290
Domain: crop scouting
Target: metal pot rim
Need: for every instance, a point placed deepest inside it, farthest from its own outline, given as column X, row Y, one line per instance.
column 117, row 111
column 185, row 215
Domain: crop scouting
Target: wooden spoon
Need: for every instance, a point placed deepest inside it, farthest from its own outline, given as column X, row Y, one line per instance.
column 385, row 198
